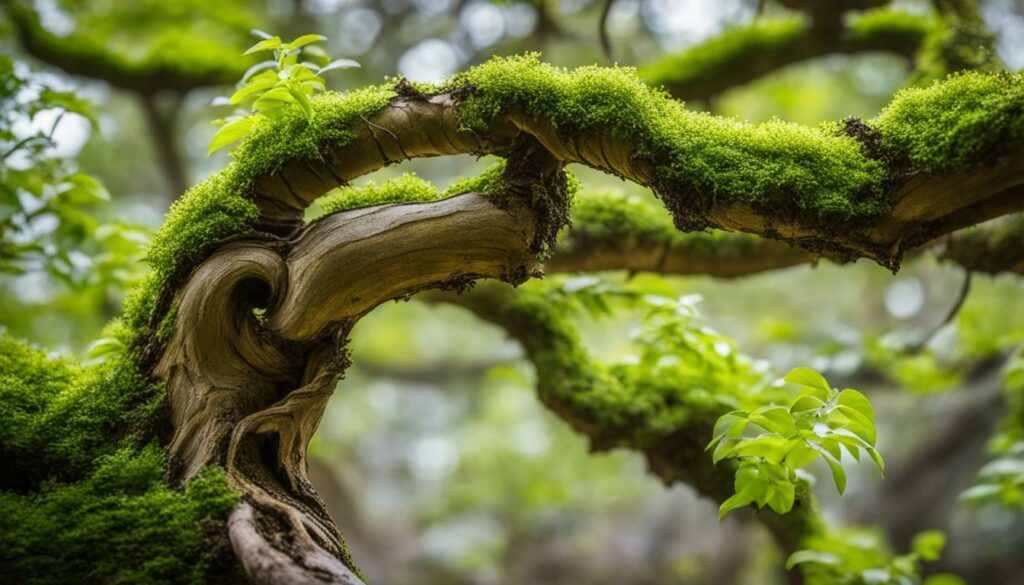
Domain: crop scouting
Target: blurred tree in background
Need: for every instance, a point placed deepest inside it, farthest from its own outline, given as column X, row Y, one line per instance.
column 434, row 456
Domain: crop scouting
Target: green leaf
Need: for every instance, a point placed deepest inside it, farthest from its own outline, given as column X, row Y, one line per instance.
column 781, row 496
column 858, row 424
column 806, row 403
column 338, row 64
column 303, row 41
column 775, row 419
column 856, row 401
column 810, row 379
column 251, row 90
column 271, row 44
column 738, row 500
column 231, row 132
column 800, row 455
column 838, row 474
column 812, row 556
column 302, row 99
column 877, row 458
column 771, row 447
column 929, row 544
column 981, row 492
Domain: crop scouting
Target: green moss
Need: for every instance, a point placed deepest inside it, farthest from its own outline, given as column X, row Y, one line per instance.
column 700, row 159
column 147, row 44
column 121, row 524
column 222, row 205
column 479, row 184
column 29, row 381
column 58, row 418
column 612, row 217
column 895, row 26
column 965, row 119
column 731, row 49
column 405, row 189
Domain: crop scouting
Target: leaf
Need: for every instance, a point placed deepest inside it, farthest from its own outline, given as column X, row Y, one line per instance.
column 800, row 455
column 810, row 379
column 775, row 419
column 929, row 544
column 771, row 447
column 231, row 132
column 303, row 41
column 806, row 403
column 302, row 99
column 981, row 492
column 249, row 91
column 339, row 64
column 271, row 44
column 261, row 34
column 261, row 66
column 858, row 402
column 811, row 556
column 781, row 496
column 877, row 458
column 838, row 474
column 858, row 424
column 738, row 500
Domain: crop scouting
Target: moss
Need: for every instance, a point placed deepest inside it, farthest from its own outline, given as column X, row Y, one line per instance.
column 145, row 45
column 611, row 217
column 121, row 524
column 699, row 159
column 894, row 26
column 222, row 206
column 729, row 50
column 405, row 189
column 966, row 119
column 479, row 184
column 58, row 418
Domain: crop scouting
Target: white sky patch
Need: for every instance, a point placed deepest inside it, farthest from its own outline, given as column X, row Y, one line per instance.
column 484, row 22
column 429, row 61
column 904, row 298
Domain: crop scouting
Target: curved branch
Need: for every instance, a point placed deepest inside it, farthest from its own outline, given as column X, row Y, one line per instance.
column 81, row 54
column 741, row 55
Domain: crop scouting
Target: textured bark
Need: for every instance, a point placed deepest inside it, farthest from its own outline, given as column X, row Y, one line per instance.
column 259, row 344
column 260, row 325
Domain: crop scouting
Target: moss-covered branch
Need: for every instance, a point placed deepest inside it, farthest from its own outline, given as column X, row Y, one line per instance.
column 146, row 47
column 668, row 417
column 743, row 54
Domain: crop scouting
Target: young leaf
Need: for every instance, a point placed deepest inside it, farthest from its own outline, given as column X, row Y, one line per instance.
column 251, row 90
column 856, row 401
column 744, row 498
column 303, row 41
column 811, row 379
column 338, row 64
column 929, row 544
column 231, row 132
column 271, row 44
column 838, row 474
column 775, row 419
column 811, row 556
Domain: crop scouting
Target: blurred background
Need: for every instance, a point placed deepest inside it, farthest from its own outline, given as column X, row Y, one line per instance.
column 435, row 458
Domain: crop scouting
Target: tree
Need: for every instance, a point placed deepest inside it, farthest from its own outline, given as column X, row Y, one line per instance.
column 199, row 427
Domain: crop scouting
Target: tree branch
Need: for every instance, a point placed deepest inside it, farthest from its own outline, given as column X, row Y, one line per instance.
column 741, row 55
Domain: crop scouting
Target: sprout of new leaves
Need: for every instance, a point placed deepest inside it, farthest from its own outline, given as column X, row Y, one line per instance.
column 859, row 557
column 273, row 86
column 820, row 422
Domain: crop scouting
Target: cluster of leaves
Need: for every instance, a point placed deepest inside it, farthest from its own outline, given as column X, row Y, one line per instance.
column 1000, row 480
column 270, row 87
column 858, row 557
column 673, row 340
column 45, row 219
column 821, row 422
